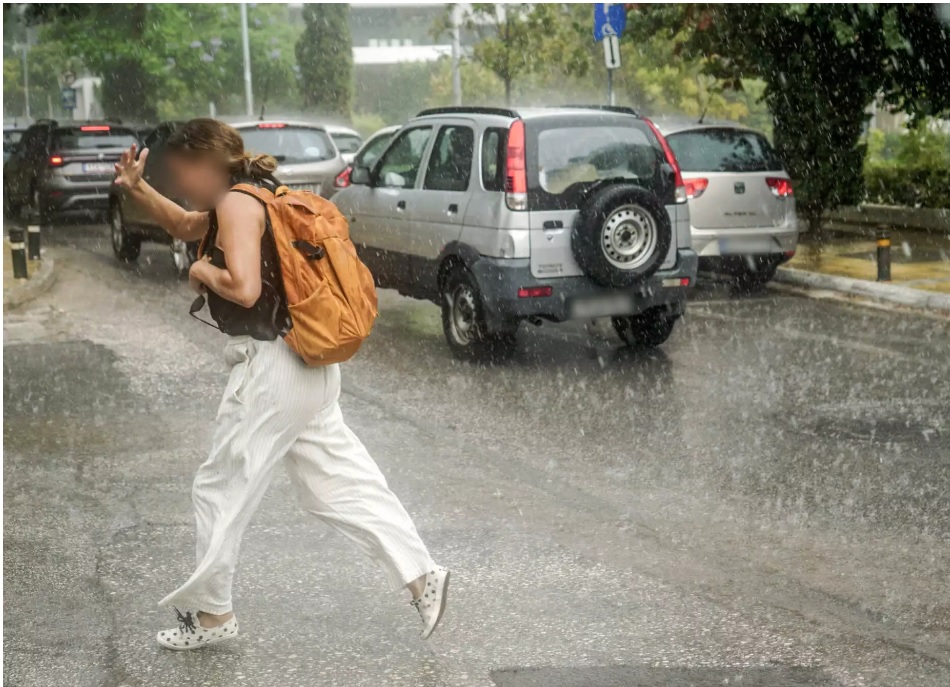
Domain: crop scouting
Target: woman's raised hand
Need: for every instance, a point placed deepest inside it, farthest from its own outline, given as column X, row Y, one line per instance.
column 128, row 170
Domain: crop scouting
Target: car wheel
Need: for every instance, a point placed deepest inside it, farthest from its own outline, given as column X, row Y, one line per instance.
column 184, row 255
column 649, row 329
column 125, row 247
column 463, row 322
column 622, row 235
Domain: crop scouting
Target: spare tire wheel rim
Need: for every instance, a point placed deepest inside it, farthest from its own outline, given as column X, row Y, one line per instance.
column 463, row 314
column 118, row 236
column 629, row 237
column 180, row 254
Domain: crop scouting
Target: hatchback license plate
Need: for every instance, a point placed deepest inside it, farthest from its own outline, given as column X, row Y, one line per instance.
column 601, row 306
column 744, row 246
column 98, row 167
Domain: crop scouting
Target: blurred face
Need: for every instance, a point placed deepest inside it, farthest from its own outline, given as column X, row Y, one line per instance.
column 201, row 181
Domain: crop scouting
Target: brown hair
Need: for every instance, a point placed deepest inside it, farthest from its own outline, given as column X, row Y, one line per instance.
column 208, row 137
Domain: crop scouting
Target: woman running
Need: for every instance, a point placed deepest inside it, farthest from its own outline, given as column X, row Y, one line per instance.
column 275, row 408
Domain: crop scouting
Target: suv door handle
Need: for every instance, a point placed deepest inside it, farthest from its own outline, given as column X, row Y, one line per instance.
column 401, row 205
column 453, row 209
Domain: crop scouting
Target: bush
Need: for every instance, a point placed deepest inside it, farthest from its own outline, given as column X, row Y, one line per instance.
column 911, row 169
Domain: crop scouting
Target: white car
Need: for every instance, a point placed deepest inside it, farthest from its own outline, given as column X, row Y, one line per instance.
column 347, row 140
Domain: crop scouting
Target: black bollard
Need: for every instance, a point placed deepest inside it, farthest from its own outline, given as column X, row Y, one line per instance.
column 883, row 255
column 18, row 250
column 33, row 241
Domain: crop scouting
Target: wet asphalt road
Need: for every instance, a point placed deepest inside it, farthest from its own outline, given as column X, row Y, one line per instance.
column 766, row 499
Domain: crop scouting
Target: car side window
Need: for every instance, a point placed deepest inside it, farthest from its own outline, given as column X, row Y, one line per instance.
column 371, row 152
column 493, row 152
column 450, row 164
column 400, row 165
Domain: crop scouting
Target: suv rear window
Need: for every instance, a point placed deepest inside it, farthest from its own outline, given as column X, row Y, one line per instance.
column 570, row 158
column 723, row 150
column 290, row 144
column 77, row 139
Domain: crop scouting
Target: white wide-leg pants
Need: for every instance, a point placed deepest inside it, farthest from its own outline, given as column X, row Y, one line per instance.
column 276, row 408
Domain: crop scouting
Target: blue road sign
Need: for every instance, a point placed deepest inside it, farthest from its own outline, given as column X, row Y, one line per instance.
column 610, row 18
column 69, row 98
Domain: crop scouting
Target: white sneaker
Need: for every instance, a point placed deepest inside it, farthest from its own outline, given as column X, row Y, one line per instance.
column 190, row 635
column 431, row 605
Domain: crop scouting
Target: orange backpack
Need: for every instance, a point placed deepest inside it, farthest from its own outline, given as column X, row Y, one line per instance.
column 330, row 293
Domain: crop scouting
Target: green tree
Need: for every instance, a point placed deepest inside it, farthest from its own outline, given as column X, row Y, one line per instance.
column 822, row 65
column 325, row 55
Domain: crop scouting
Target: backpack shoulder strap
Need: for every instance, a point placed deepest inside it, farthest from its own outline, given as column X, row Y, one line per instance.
column 262, row 194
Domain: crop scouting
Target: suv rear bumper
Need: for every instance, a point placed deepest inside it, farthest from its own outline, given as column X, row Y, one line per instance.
column 499, row 280
column 75, row 199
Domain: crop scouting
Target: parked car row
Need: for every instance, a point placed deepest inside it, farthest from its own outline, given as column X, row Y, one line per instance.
column 496, row 215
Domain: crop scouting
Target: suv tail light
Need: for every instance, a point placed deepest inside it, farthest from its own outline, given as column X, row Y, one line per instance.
column 516, row 179
column 271, row 125
column 95, row 127
column 343, row 178
column 680, row 189
column 781, row 188
column 695, row 187
column 56, row 161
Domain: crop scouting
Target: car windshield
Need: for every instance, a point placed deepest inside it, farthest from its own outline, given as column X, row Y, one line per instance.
column 290, row 144
column 77, row 139
column 723, row 150
column 586, row 154
column 347, row 143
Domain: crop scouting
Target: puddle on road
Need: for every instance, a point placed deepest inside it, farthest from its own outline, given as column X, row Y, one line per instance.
column 648, row 676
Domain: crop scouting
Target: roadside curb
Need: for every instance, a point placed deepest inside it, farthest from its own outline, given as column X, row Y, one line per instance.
column 875, row 291
column 34, row 287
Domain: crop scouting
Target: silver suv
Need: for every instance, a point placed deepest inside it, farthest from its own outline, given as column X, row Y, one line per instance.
column 741, row 202
column 502, row 215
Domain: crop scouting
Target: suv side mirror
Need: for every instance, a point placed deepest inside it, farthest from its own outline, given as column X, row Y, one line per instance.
column 360, row 175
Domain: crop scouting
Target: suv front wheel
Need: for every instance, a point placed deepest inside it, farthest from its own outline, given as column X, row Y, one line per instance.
column 649, row 329
column 463, row 321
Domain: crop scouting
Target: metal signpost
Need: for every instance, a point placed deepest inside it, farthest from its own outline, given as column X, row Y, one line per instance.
column 610, row 19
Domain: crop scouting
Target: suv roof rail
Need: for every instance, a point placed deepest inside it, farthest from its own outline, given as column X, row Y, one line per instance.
column 469, row 109
column 621, row 109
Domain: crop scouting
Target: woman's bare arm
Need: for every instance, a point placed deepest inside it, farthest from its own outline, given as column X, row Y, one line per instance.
column 180, row 223
column 240, row 228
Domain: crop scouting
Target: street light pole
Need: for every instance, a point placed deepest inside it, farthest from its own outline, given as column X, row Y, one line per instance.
column 248, row 92
column 456, row 56
column 26, row 81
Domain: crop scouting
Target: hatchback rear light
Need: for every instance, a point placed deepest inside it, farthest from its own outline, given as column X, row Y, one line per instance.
column 535, row 291
column 95, row 127
column 516, row 179
column 782, row 188
column 343, row 178
column 271, row 125
column 680, row 189
column 56, row 161
column 695, row 187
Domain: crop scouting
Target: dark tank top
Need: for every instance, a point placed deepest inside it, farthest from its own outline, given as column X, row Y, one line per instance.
column 268, row 318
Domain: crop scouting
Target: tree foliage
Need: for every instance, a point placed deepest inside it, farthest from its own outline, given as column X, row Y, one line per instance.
column 324, row 53
column 822, row 64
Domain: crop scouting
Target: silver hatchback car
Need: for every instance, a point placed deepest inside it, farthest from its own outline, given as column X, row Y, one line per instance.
column 741, row 202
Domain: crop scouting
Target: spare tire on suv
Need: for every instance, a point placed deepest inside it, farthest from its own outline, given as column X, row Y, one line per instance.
column 622, row 235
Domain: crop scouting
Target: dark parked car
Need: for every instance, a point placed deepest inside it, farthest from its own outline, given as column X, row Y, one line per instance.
column 11, row 136
column 64, row 169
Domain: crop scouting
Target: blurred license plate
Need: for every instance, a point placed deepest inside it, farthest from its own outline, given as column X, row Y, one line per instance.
column 744, row 246
column 313, row 188
column 601, row 306
column 98, row 167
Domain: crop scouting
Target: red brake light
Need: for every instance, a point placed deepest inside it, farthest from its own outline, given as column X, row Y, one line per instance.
column 695, row 187
column 680, row 190
column 95, row 127
column 780, row 187
column 516, row 179
column 271, row 125
column 535, row 291
column 56, row 161
column 343, row 178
